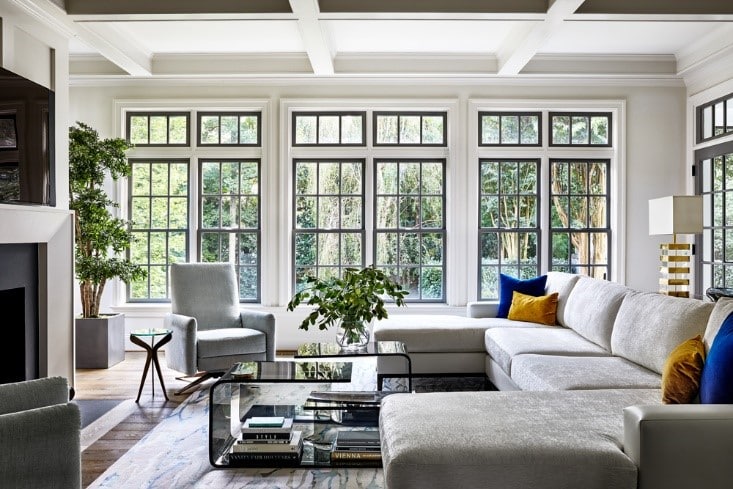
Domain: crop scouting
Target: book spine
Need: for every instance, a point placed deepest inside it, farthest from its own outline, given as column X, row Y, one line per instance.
column 359, row 448
column 256, row 441
column 265, row 457
column 265, row 448
column 353, row 455
column 266, row 436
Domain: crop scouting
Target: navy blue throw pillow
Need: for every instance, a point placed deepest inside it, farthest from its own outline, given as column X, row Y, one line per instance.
column 716, row 382
column 507, row 285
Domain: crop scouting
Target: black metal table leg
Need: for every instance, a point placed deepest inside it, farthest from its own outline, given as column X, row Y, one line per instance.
column 152, row 357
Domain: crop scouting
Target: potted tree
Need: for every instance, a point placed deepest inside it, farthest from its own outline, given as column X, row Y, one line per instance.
column 100, row 238
column 350, row 303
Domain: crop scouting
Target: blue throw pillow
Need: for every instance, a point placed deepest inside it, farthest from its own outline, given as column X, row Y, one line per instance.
column 507, row 285
column 716, row 383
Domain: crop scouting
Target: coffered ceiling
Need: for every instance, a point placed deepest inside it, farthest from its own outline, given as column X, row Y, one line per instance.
column 389, row 38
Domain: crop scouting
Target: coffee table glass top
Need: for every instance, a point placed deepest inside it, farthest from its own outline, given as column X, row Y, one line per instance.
column 334, row 350
column 283, row 371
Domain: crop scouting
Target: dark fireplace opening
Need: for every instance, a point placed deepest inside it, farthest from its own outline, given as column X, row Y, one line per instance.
column 19, row 306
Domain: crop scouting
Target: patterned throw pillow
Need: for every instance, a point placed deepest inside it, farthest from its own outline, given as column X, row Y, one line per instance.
column 542, row 309
column 508, row 285
column 682, row 371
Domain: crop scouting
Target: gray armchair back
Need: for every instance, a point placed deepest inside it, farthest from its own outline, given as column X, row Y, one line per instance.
column 207, row 292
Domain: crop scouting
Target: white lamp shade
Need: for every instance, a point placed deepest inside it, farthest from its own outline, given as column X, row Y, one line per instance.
column 678, row 214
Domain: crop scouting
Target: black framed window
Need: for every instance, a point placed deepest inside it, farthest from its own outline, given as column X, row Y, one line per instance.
column 410, row 128
column 510, row 128
column 329, row 129
column 158, row 128
column 715, row 119
column 158, row 210
column 328, row 227
column 579, row 216
column 509, row 227
column 229, row 213
column 580, row 129
column 229, row 129
column 409, row 229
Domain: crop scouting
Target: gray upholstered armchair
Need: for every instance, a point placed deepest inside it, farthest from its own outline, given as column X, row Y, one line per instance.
column 210, row 333
column 39, row 435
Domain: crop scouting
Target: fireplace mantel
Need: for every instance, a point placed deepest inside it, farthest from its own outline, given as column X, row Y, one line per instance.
column 53, row 230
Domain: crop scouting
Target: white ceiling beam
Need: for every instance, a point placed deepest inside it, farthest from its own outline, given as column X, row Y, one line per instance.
column 108, row 43
column 524, row 43
column 319, row 52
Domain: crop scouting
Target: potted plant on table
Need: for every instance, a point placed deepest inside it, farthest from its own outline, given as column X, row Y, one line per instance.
column 349, row 303
column 100, row 238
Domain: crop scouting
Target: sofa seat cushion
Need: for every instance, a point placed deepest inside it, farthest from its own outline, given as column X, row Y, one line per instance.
column 498, row 440
column 557, row 373
column 229, row 341
column 502, row 344
column 440, row 333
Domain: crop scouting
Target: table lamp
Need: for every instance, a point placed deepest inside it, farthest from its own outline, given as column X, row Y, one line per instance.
column 677, row 214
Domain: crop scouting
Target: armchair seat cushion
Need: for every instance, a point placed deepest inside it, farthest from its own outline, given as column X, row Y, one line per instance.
column 230, row 341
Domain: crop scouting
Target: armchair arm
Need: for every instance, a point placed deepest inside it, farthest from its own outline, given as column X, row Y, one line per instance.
column 482, row 309
column 680, row 446
column 41, row 447
column 31, row 394
column 265, row 322
column 180, row 353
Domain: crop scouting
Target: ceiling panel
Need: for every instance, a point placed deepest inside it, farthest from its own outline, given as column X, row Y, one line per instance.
column 430, row 36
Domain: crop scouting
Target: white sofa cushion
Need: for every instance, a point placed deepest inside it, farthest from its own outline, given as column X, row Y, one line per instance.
column 591, row 309
column 556, row 373
column 502, row 344
column 723, row 307
column 563, row 284
column 650, row 325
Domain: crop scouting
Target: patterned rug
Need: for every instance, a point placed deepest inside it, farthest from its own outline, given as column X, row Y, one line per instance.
column 175, row 453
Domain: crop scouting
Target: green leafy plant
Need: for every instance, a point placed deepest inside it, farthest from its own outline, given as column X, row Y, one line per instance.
column 352, row 301
column 99, row 236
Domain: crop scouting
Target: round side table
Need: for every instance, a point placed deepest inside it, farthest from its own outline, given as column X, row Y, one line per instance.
column 137, row 336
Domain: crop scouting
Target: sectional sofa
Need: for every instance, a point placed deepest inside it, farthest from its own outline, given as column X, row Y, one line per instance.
column 579, row 404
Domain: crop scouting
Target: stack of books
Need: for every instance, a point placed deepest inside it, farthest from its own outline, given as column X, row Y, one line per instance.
column 360, row 447
column 267, row 441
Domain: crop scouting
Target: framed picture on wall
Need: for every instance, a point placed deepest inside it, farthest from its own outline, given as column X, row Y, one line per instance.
column 8, row 133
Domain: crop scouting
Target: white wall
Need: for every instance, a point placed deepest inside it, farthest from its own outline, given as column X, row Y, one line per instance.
column 654, row 143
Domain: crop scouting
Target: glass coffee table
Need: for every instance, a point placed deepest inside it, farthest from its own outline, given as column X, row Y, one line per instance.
column 374, row 349
column 292, row 414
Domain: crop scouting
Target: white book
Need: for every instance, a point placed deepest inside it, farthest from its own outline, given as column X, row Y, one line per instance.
column 294, row 446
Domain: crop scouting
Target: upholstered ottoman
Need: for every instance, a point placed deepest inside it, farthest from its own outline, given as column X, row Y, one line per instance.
column 548, row 440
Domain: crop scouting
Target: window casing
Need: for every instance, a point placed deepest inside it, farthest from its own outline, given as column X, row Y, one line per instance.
column 715, row 119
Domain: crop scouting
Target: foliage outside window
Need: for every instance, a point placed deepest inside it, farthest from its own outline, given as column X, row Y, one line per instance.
column 410, row 225
column 510, row 128
column 230, row 219
column 580, row 129
column 158, row 128
column 159, row 215
column 509, row 221
column 229, row 129
column 329, row 128
column 579, row 230
column 715, row 119
column 410, row 129
column 329, row 217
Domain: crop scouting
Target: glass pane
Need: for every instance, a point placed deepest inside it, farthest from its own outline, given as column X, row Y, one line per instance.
column 432, row 178
column 386, row 212
column 490, row 177
column 729, row 208
column 305, row 178
column 559, row 212
column 160, row 178
column 209, row 129
column 597, row 178
column 386, row 248
column 351, row 178
column 249, row 178
column 351, row 129
column 597, row 248
column 578, row 212
column 508, row 211
column 305, row 129
column 489, row 248
column 409, row 178
column 305, row 249
column 489, row 283
column 489, row 212
column 328, row 129
column 158, row 286
column 718, row 173
column 248, row 129
column 718, row 209
column 387, row 129
column 386, row 178
column 528, row 252
column 351, row 212
column 728, row 171
column 329, row 213
column 211, row 177
column 432, row 212
column 527, row 212
column 157, row 248
column 432, row 249
column 559, row 177
column 529, row 129
column 597, row 216
column 578, row 178
column 490, row 129
column 729, row 115
column 410, row 129
column 351, row 249
column 707, row 122
column 140, row 212
column 580, row 130
column 509, row 129
column 509, row 177
column 329, row 178
column 139, row 248
column 229, row 177
column 249, row 212
column 138, row 129
column 432, row 129
column 408, row 212
column 431, row 283
column 560, row 129
column 706, row 175
column 409, row 280
column 328, row 249
column 719, row 114
column 305, row 212
column 177, row 129
column 409, row 248
column 140, row 179
column 177, row 247
column 248, row 253
column 159, row 213
column 599, row 130
column 229, row 129
column 178, row 217
column 560, row 248
column 718, row 245
column 527, row 178
column 179, row 179
column 707, row 212
column 158, row 129
column 509, row 249
column 210, row 217
column 248, row 281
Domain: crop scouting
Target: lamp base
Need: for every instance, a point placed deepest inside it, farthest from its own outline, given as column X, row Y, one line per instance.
column 675, row 269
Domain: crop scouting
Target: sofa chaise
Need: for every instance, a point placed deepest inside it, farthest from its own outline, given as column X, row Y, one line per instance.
column 580, row 402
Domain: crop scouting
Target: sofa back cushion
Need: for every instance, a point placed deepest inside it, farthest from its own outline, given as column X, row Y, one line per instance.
column 591, row 309
column 650, row 325
column 562, row 283
column 722, row 309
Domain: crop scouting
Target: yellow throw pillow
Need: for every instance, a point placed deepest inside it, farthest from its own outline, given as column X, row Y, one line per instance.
column 542, row 309
column 682, row 371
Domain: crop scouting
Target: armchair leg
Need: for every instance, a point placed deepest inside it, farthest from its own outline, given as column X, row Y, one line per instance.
column 199, row 378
